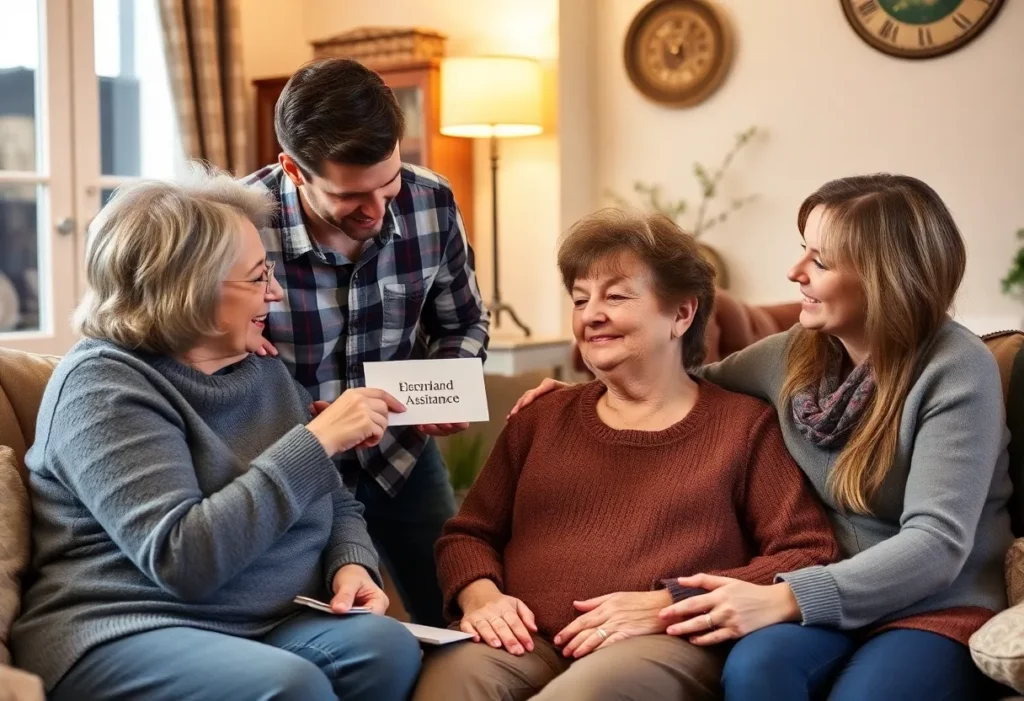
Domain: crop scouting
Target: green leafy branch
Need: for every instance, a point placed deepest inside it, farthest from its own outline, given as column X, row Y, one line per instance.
column 1014, row 280
column 708, row 182
column 464, row 455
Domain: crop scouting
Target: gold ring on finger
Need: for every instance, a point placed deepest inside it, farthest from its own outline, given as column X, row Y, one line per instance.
column 602, row 633
column 711, row 621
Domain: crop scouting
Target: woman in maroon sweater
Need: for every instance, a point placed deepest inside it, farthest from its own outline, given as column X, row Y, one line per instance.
column 596, row 498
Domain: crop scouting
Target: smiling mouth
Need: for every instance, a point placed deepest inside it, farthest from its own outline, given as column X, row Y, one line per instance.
column 602, row 339
column 363, row 221
column 259, row 320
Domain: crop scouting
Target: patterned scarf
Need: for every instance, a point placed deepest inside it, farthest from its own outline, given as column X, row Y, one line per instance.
column 827, row 414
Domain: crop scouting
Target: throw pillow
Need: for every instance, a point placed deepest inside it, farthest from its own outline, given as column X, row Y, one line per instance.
column 998, row 647
column 15, row 525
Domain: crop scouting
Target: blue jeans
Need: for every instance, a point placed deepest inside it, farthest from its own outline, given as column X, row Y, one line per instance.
column 309, row 657
column 405, row 528
column 791, row 662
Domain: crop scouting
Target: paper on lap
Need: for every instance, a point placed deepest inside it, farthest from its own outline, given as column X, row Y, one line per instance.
column 436, row 636
column 448, row 390
column 425, row 634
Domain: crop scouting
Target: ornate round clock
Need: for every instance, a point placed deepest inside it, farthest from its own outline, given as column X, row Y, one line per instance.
column 678, row 51
column 919, row 28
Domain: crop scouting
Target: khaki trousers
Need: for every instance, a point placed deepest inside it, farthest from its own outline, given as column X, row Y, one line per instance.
column 641, row 669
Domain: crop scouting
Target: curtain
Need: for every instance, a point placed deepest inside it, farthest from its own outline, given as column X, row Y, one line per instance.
column 203, row 47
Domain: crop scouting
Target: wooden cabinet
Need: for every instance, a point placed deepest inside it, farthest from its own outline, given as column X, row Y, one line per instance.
column 417, row 87
column 267, row 92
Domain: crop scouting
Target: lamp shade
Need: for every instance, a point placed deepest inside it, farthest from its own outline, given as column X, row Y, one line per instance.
column 486, row 96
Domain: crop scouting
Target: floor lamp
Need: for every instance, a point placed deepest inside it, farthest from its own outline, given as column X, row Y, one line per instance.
column 492, row 97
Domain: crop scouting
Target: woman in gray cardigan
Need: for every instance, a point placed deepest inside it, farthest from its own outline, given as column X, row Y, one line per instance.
column 894, row 412
column 182, row 496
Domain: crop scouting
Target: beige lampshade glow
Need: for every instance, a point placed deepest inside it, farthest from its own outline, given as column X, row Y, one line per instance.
column 486, row 96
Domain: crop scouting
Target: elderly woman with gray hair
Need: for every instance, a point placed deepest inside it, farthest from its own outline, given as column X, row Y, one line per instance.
column 182, row 494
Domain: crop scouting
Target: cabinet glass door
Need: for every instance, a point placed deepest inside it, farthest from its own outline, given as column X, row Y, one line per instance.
column 410, row 98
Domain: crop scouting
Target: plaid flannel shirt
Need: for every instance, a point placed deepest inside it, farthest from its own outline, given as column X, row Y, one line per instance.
column 412, row 294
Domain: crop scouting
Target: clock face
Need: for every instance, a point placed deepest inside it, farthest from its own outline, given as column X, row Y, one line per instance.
column 677, row 51
column 919, row 28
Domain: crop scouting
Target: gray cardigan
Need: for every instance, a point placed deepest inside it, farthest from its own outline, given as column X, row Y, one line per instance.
column 166, row 497
column 941, row 529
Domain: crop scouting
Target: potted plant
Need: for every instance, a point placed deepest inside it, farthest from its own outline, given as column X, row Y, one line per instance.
column 1013, row 283
column 463, row 453
column 708, row 182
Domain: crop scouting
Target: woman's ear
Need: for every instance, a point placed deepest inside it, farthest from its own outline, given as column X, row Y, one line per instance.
column 685, row 313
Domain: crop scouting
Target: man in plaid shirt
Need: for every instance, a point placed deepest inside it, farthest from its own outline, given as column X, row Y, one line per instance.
column 375, row 265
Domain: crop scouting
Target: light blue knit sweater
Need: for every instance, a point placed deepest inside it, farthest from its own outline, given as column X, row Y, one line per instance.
column 166, row 497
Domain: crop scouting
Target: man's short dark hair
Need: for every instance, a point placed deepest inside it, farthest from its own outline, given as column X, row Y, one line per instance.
column 337, row 110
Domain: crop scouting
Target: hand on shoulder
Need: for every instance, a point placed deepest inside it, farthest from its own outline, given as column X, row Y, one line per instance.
column 546, row 386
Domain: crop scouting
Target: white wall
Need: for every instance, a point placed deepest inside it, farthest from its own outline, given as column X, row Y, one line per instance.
column 578, row 146
column 831, row 106
column 273, row 38
column 273, row 44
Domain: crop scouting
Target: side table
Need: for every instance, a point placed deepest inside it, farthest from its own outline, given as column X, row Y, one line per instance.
column 514, row 356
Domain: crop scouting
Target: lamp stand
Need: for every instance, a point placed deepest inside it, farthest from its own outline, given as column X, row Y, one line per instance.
column 497, row 307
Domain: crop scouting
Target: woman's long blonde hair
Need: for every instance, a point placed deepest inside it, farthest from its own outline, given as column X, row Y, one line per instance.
column 898, row 237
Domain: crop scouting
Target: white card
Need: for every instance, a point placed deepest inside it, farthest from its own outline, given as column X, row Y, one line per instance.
column 448, row 390
column 436, row 636
column 425, row 634
column 325, row 607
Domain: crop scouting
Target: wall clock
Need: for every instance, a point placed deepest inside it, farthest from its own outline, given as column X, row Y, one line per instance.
column 678, row 51
column 919, row 28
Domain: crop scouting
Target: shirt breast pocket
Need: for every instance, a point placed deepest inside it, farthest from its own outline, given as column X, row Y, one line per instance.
column 402, row 304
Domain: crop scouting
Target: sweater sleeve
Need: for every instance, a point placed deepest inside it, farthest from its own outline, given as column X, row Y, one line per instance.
column 123, row 451
column 350, row 542
column 472, row 544
column 961, row 433
column 757, row 370
column 786, row 523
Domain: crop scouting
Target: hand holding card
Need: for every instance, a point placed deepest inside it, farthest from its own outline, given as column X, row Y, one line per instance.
column 443, row 391
column 356, row 419
column 353, row 586
column 326, row 608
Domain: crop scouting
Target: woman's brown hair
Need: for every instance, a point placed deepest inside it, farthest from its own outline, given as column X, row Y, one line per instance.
column 898, row 237
column 678, row 269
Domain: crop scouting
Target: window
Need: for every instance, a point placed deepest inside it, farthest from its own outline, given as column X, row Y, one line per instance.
column 78, row 118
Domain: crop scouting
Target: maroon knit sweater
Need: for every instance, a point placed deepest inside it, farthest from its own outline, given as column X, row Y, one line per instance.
column 567, row 508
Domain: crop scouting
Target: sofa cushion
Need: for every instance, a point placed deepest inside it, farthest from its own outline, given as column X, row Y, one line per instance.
column 23, row 377
column 734, row 325
column 15, row 544
column 1006, row 347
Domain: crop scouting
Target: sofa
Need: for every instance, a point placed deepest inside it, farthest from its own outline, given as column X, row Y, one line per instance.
column 23, row 378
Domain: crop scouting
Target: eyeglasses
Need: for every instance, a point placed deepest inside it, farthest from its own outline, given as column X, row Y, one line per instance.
column 266, row 278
